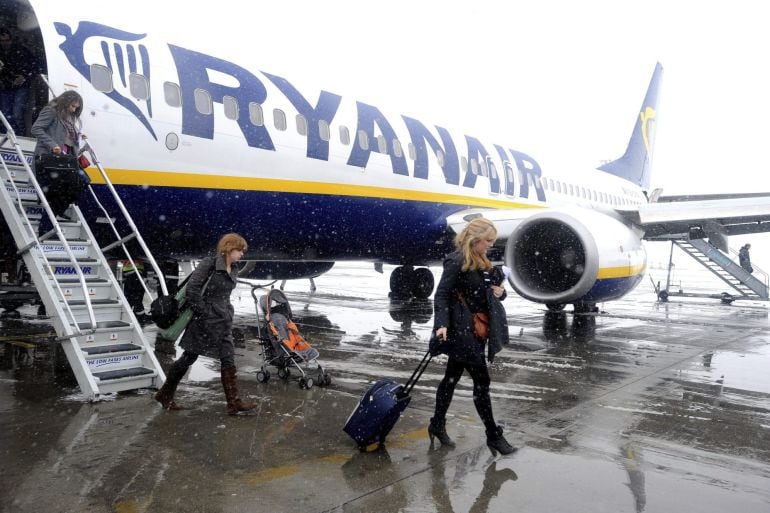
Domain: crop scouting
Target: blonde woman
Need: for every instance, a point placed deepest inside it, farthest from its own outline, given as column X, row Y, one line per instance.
column 469, row 285
column 209, row 331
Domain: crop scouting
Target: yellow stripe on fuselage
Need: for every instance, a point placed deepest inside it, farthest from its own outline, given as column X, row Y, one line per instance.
column 208, row 181
column 625, row 271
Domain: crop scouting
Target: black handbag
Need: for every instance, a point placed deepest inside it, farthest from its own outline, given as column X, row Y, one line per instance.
column 61, row 179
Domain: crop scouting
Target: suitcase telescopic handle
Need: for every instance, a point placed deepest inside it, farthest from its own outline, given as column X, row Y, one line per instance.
column 417, row 374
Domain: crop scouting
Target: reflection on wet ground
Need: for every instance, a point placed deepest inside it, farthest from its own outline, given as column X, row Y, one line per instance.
column 641, row 407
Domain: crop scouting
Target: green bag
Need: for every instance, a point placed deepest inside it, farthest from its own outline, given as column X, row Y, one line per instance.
column 174, row 331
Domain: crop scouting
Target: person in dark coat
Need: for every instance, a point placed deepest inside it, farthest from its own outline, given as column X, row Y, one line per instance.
column 469, row 285
column 16, row 73
column 209, row 331
column 744, row 259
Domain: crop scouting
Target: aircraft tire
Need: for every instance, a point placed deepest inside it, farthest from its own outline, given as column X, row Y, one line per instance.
column 555, row 307
column 423, row 283
column 402, row 281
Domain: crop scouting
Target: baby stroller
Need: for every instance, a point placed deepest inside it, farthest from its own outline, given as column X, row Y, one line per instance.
column 282, row 344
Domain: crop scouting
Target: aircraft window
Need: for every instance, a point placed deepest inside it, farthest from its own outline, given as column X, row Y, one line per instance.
column 279, row 119
column 474, row 167
column 172, row 141
column 539, row 182
column 596, row 196
column 519, row 175
column 382, row 144
column 463, row 164
column 412, row 151
column 172, row 94
column 440, row 158
column 571, row 190
column 301, row 124
column 363, row 140
column 397, row 150
column 558, row 186
column 484, row 168
column 508, row 171
column 231, row 107
column 550, row 185
column 203, row 102
column 255, row 114
column 139, row 86
column 492, row 169
column 344, row 135
column 323, row 130
column 101, row 78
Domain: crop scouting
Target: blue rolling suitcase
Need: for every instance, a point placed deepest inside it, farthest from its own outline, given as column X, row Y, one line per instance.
column 380, row 408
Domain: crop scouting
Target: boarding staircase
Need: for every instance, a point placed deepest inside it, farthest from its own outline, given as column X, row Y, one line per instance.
column 94, row 323
column 747, row 285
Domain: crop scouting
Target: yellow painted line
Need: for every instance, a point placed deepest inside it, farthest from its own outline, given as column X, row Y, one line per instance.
column 208, row 181
column 272, row 474
column 620, row 272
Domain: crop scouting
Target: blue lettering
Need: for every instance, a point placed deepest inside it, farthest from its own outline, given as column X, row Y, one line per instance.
column 530, row 172
column 420, row 136
column 325, row 110
column 192, row 68
column 367, row 117
column 477, row 151
column 507, row 172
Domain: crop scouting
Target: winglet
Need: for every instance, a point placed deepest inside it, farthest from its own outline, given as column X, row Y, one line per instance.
column 634, row 165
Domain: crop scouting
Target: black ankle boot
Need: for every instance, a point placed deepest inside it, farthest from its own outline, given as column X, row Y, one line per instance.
column 437, row 429
column 497, row 443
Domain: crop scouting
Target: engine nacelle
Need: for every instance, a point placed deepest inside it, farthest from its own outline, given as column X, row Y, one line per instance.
column 574, row 256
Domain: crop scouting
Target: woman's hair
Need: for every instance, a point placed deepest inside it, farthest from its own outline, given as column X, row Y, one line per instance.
column 229, row 242
column 61, row 104
column 478, row 229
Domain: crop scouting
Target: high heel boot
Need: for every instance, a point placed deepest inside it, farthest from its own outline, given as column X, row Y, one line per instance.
column 235, row 405
column 165, row 395
column 497, row 443
column 437, row 429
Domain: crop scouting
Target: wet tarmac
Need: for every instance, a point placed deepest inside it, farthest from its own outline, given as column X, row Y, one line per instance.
column 643, row 407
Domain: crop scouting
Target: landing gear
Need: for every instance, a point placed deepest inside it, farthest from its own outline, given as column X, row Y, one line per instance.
column 555, row 307
column 406, row 282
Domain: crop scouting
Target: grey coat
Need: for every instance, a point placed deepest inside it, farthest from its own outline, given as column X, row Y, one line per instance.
column 209, row 332
column 49, row 131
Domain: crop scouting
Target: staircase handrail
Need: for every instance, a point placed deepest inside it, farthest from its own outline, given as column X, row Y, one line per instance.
column 88, row 147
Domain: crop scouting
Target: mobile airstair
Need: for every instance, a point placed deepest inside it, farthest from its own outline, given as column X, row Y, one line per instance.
column 94, row 323
column 746, row 285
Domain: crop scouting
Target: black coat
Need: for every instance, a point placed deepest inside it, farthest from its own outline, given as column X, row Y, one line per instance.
column 209, row 331
column 450, row 312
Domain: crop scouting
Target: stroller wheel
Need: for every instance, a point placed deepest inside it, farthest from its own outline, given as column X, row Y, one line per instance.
column 262, row 376
column 309, row 383
column 283, row 373
column 327, row 380
column 302, row 383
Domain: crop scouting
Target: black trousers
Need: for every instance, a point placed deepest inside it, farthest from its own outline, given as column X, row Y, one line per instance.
column 188, row 358
column 481, row 399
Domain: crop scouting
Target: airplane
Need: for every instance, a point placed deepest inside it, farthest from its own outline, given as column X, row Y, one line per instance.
column 200, row 142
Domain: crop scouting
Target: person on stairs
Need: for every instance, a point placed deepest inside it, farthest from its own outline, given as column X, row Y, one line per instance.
column 209, row 331
column 469, row 285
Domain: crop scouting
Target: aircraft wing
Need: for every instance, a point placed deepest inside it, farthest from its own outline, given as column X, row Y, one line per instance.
column 723, row 215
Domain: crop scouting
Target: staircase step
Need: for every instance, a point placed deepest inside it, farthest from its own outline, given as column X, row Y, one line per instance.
column 98, row 351
column 131, row 372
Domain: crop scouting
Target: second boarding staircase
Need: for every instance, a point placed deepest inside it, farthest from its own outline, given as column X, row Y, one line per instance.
column 721, row 265
column 100, row 335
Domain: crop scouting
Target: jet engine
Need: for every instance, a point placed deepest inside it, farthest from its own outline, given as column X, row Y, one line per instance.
column 576, row 256
column 283, row 270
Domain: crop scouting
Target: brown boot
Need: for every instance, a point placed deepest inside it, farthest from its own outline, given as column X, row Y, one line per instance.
column 165, row 395
column 234, row 403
